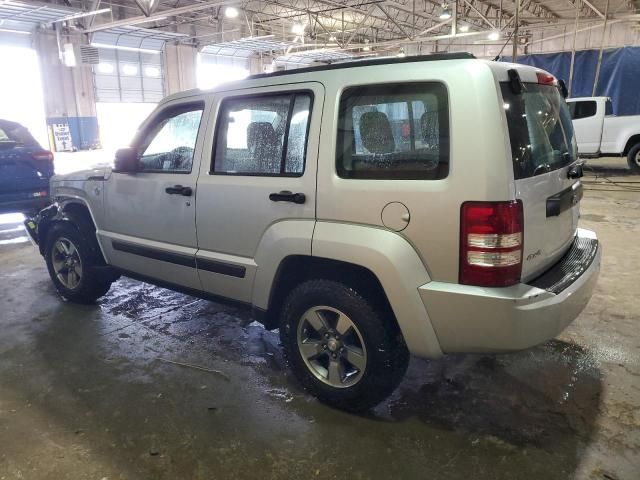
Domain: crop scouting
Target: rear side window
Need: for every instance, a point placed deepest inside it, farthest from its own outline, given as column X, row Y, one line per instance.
column 582, row 109
column 608, row 108
column 540, row 129
column 394, row 131
column 265, row 135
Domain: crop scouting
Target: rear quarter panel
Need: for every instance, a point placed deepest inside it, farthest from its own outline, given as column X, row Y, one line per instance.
column 480, row 168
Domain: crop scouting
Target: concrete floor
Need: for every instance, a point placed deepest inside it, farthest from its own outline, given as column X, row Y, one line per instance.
column 89, row 392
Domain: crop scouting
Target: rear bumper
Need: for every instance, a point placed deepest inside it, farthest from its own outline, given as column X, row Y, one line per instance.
column 477, row 319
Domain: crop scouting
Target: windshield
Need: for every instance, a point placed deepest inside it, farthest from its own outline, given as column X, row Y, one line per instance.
column 14, row 133
column 540, row 129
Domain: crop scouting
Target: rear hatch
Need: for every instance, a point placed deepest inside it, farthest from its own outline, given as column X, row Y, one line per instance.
column 543, row 149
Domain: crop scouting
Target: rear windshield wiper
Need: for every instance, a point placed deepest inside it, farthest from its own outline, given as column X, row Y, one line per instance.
column 540, row 169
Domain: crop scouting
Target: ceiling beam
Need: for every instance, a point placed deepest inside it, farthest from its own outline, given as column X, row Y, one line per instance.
column 161, row 14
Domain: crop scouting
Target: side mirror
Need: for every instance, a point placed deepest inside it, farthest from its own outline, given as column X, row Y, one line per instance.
column 126, row 160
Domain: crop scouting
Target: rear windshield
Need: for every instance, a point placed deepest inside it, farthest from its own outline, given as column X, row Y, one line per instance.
column 540, row 129
column 11, row 132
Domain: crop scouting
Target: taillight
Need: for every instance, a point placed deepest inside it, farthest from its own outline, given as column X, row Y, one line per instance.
column 491, row 238
column 43, row 155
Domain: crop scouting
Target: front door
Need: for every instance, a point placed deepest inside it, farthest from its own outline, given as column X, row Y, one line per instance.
column 150, row 214
column 259, row 179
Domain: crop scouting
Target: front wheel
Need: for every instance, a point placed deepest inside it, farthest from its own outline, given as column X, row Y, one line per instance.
column 342, row 347
column 633, row 158
column 71, row 262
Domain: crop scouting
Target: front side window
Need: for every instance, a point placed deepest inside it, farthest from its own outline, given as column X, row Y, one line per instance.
column 394, row 131
column 540, row 129
column 263, row 135
column 582, row 109
column 170, row 144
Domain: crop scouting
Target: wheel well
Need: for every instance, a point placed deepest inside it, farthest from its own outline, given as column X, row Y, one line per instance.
column 76, row 213
column 634, row 140
column 296, row 269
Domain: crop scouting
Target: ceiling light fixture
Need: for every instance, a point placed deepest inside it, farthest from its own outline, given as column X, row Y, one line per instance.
column 75, row 16
column 464, row 28
column 332, row 38
column 298, row 29
column 445, row 12
column 495, row 35
column 231, row 12
column 401, row 53
column 366, row 47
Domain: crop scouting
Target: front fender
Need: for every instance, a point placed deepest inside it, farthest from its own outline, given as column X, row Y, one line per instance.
column 399, row 269
column 39, row 226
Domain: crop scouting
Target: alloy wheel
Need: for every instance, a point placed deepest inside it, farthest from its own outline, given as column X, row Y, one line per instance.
column 66, row 263
column 331, row 346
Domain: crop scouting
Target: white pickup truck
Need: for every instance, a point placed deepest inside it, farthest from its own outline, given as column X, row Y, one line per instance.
column 600, row 133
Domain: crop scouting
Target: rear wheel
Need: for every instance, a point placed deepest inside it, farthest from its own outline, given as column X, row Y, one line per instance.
column 633, row 158
column 72, row 263
column 341, row 346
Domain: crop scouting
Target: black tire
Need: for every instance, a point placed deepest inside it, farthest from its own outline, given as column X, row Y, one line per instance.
column 633, row 158
column 93, row 283
column 387, row 356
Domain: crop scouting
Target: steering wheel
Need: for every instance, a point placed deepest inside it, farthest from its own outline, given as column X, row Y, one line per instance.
column 180, row 156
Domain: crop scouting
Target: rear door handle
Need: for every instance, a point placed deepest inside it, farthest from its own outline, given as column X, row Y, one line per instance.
column 179, row 190
column 287, row 196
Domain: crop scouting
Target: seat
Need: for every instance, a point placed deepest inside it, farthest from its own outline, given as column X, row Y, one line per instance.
column 376, row 133
column 265, row 148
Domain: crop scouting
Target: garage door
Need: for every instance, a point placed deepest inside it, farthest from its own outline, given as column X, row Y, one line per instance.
column 130, row 68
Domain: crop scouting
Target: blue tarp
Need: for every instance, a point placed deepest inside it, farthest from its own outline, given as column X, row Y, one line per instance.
column 619, row 74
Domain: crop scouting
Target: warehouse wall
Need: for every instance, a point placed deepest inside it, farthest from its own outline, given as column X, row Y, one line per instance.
column 68, row 91
column 618, row 34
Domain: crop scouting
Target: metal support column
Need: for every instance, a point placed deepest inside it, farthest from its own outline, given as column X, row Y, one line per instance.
column 514, row 56
column 604, row 32
column 573, row 50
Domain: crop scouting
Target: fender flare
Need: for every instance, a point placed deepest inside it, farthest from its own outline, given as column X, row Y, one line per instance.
column 398, row 268
column 56, row 213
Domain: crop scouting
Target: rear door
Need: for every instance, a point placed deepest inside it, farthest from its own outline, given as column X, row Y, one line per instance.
column 543, row 148
column 587, row 123
column 259, row 170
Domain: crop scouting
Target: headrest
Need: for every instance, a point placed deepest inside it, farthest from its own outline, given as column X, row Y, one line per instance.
column 376, row 134
column 261, row 133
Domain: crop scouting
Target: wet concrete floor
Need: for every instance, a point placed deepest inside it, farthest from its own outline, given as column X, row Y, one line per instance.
column 92, row 392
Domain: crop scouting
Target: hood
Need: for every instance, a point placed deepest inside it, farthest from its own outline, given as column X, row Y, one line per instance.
column 95, row 173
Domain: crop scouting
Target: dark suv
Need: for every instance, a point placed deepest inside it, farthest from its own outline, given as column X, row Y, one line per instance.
column 25, row 170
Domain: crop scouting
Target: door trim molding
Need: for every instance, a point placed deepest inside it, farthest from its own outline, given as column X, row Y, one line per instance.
column 155, row 254
column 208, row 265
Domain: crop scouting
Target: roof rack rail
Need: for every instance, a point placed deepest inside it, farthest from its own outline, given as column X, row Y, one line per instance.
column 366, row 63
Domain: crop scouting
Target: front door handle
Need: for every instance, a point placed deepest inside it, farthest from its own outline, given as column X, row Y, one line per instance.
column 179, row 190
column 287, row 196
